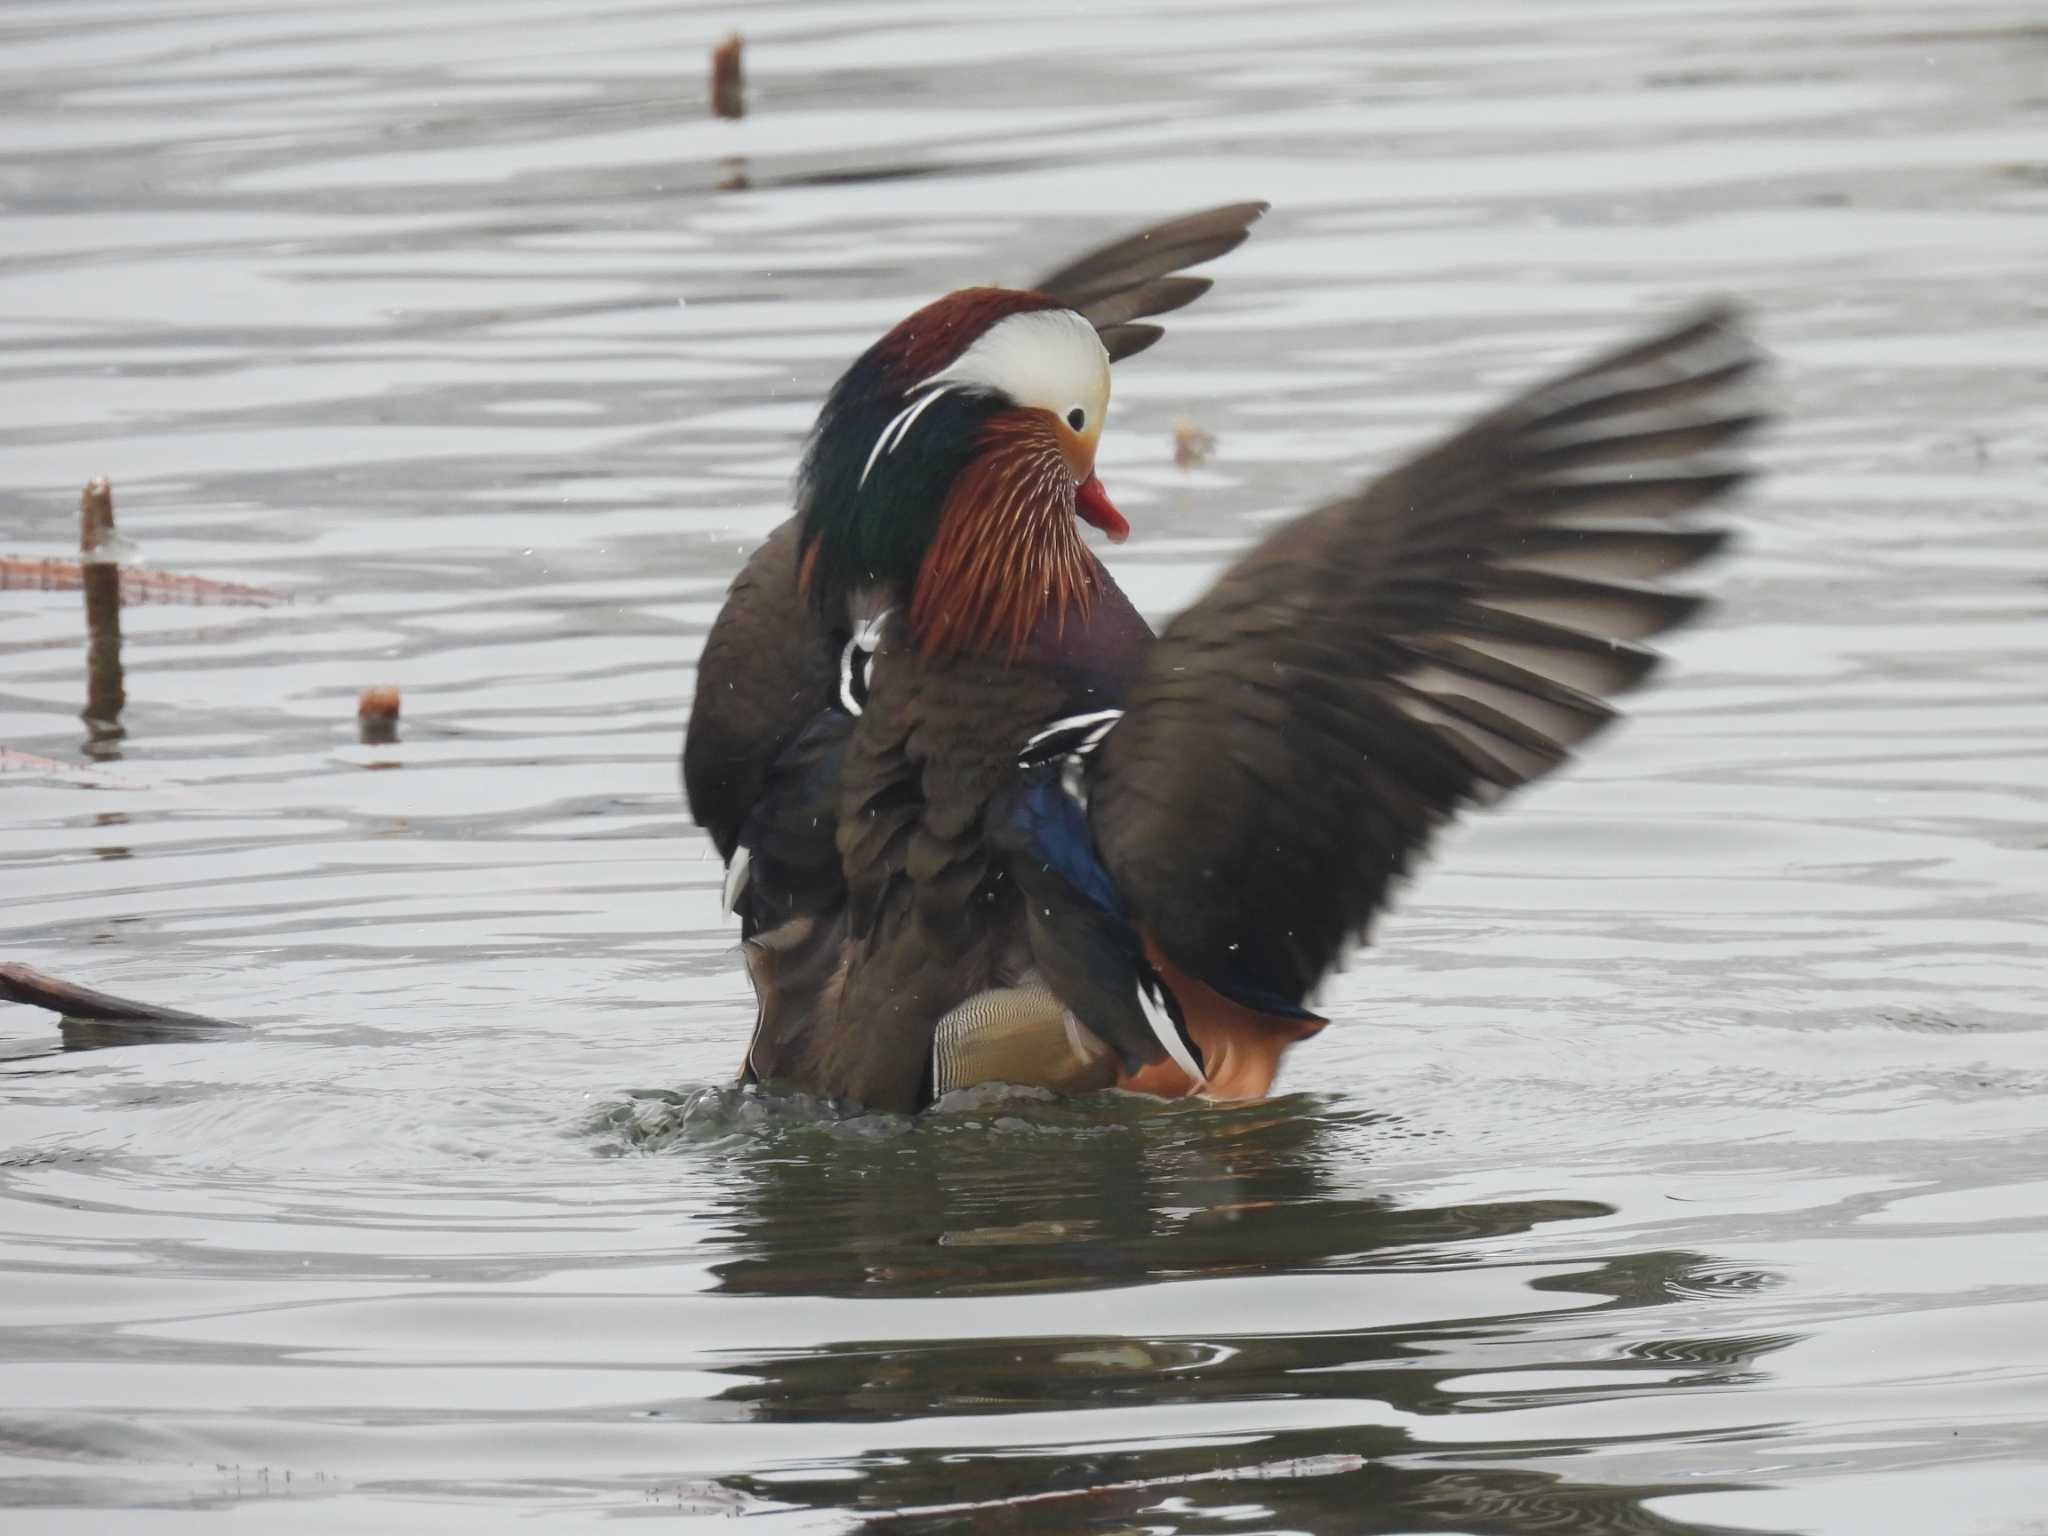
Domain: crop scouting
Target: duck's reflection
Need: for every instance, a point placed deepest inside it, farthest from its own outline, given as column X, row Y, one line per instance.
column 1072, row 1197
column 1065, row 1196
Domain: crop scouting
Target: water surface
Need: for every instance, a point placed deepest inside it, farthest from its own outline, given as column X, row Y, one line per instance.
column 1675, row 1163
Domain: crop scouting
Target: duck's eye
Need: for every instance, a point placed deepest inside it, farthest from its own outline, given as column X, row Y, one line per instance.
column 1077, row 418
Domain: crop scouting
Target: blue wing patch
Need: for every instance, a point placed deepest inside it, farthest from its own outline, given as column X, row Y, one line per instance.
column 1050, row 816
column 1052, row 827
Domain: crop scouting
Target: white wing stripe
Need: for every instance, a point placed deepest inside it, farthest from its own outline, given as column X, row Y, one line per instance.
column 898, row 429
column 847, row 700
column 866, row 640
column 1101, row 719
column 1153, row 1005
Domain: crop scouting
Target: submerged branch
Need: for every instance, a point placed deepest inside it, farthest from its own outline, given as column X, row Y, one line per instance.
column 137, row 584
column 25, row 984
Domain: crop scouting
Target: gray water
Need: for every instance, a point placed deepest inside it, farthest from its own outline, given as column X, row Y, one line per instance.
column 1676, row 1162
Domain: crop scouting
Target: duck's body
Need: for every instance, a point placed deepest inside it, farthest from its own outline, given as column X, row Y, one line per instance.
column 980, row 823
column 876, row 879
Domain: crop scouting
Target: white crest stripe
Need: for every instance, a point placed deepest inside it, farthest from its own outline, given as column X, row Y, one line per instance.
column 899, row 428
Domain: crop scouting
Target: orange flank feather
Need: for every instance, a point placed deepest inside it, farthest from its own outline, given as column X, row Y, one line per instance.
column 1241, row 1047
column 1007, row 554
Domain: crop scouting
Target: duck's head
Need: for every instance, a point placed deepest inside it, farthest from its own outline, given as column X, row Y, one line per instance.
column 950, row 464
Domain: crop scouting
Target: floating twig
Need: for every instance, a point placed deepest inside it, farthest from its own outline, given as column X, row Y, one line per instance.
column 138, row 586
column 1335, row 1464
column 86, row 776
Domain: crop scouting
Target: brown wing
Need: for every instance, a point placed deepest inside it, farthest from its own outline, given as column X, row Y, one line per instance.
column 1128, row 280
column 760, row 767
column 767, row 671
column 1442, row 636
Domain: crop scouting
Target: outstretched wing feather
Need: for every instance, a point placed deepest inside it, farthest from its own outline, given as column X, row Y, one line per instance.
column 1441, row 637
column 1136, row 278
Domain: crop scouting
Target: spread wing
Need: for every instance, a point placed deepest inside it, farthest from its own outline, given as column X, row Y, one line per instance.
column 1442, row 636
column 1129, row 280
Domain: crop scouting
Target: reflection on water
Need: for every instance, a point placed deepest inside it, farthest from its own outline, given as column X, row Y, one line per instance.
column 1019, row 1195
column 1034, row 1194
column 1674, row 1161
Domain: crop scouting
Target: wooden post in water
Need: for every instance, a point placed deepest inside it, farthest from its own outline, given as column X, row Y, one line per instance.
column 104, row 693
column 729, row 99
column 728, row 78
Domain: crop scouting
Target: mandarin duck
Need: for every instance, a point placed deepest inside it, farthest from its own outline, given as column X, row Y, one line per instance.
column 981, row 824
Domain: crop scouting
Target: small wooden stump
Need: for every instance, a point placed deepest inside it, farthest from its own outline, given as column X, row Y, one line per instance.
column 377, row 716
